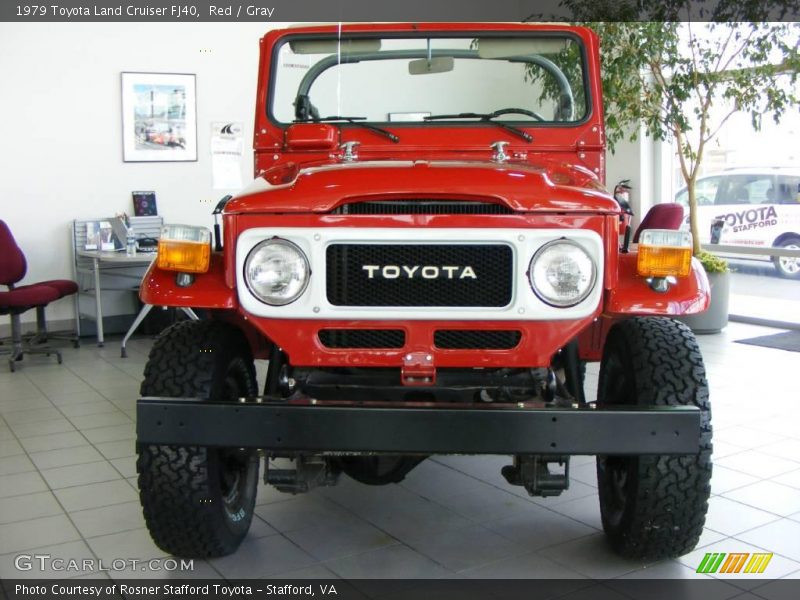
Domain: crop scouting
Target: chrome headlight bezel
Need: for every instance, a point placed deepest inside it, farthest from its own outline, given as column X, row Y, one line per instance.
column 549, row 300
column 276, row 241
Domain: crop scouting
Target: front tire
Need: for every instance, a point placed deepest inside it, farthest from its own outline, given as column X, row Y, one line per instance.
column 654, row 507
column 198, row 501
column 787, row 266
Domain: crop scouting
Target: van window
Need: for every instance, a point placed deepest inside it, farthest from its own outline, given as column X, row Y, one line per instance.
column 787, row 190
column 747, row 189
column 705, row 191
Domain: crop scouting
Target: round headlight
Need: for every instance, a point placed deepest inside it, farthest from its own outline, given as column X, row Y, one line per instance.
column 562, row 273
column 276, row 271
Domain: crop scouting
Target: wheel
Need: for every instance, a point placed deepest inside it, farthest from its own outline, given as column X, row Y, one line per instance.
column 654, row 507
column 198, row 501
column 788, row 266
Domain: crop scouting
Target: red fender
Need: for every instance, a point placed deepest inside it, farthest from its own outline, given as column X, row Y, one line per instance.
column 208, row 290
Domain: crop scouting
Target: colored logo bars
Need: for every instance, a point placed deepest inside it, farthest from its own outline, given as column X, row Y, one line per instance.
column 734, row 562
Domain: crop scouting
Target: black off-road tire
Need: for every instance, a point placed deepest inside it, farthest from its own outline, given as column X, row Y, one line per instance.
column 654, row 507
column 197, row 501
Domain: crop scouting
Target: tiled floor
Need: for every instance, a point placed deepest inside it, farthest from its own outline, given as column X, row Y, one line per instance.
column 67, row 488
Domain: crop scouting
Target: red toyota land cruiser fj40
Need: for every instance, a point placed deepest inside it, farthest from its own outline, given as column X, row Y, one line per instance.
column 428, row 258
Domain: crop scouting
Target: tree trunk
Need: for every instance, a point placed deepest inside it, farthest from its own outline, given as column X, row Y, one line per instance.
column 693, row 226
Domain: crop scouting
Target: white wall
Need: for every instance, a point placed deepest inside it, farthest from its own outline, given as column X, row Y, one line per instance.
column 61, row 138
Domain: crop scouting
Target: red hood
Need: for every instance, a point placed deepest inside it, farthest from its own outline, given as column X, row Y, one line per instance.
column 521, row 187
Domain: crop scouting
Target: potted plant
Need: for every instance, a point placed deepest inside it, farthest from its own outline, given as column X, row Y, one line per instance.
column 715, row 318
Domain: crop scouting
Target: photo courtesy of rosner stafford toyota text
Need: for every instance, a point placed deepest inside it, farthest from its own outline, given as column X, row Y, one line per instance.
column 416, row 300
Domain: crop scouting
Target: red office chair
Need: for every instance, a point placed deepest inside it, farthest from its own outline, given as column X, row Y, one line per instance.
column 661, row 216
column 17, row 300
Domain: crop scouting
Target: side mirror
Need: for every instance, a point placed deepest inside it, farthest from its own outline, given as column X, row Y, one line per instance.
column 423, row 66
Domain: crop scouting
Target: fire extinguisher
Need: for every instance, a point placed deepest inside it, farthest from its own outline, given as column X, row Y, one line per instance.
column 622, row 194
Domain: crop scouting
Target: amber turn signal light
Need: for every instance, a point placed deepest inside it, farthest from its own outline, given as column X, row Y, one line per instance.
column 184, row 248
column 664, row 252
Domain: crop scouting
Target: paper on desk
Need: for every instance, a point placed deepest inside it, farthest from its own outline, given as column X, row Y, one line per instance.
column 226, row 155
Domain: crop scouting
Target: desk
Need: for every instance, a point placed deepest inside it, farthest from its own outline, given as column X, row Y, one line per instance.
column 110, row 259
column 120, row 260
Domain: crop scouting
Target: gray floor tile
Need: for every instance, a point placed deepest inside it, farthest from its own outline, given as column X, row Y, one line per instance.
column 55, row 441
column 105, row 419
column 10, row 448
column 87, row 408
column 78, row 475
column 263, row 557
column 747, row 437
column 540, row 529
column 788, row 448
column 301, row 512
column 20, row 484
column 28, row 506
column 44, row 531
column 258, row 527
column 390, row 562
column 117, row 449
column 108, row 434
column 96, row 494
column 586, row 510
column 62, row 398
column 128, row 544
column 465, row 548
column 436, row 481
column 9, row 407
column 487, row 503
column 335, row 540
column 757, row 464
column 65, row 457
column 18, row 463
column 108, row 519
column 32, row 415
column 524, row 566
column 782, row 537
column 792, row 479
column 26, row 430
column 126, row 466
column 592, row 557
column 724, row 480
column 420, row 514
column 766, row 495
column 730, row 517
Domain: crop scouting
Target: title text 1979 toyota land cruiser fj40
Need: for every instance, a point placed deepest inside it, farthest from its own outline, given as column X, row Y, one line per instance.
column 427, row 257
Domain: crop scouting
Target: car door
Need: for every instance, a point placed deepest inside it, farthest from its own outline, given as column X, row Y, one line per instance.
column 744, row 204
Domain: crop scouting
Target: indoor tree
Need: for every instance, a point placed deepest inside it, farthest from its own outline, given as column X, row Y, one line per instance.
column 684, row 80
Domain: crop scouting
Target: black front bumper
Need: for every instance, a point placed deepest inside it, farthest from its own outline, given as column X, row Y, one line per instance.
column 304, row 425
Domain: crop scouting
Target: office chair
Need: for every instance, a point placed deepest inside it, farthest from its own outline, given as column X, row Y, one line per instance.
column 18, row 300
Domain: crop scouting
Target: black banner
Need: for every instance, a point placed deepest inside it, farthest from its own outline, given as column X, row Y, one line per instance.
column 389, row 589
column 405, row 10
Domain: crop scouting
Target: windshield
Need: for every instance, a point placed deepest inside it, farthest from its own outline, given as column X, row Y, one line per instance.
column 410, row 79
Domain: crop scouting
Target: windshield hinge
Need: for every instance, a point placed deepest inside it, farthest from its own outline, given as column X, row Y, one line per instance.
column 349, row 151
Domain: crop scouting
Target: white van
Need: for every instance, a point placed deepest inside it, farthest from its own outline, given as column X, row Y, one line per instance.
column 756, row 207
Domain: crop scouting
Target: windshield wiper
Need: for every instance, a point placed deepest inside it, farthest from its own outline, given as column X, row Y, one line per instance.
column 354, row 121
column 489, row 118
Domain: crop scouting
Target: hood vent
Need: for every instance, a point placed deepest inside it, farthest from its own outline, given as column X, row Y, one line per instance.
column 422, row 207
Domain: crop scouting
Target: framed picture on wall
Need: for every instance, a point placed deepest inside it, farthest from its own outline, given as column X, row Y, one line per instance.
column 159, row 117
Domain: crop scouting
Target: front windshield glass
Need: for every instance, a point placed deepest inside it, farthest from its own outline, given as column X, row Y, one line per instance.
column 409, row 79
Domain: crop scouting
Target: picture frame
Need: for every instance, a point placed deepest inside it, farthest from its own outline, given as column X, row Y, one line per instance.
column 159, row 117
